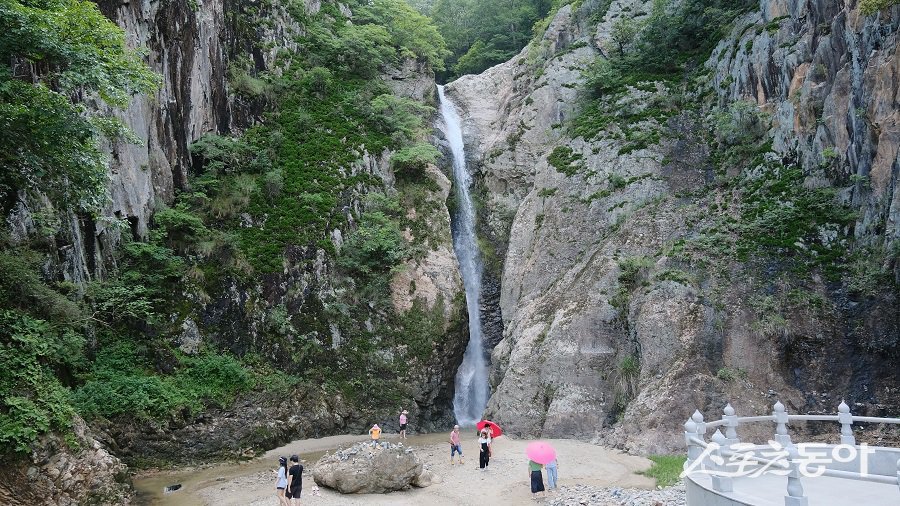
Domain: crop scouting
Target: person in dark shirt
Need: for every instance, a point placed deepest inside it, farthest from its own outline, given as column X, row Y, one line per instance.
column 295, row 481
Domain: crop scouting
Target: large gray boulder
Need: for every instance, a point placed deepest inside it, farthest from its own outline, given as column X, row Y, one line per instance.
column 364, row 469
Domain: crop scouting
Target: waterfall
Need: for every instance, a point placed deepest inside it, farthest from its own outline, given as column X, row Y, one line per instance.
column 472, row 387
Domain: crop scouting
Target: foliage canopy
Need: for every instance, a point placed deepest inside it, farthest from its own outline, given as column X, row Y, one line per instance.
column 51, row 50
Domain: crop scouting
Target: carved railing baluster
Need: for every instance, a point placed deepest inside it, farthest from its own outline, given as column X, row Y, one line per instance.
column 846, row 421
column 781, row 420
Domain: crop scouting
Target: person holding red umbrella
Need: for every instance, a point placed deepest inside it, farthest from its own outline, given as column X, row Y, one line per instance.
column 494, row 430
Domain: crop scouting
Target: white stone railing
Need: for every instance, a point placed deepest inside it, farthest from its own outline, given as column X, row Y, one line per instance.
column 710, row 456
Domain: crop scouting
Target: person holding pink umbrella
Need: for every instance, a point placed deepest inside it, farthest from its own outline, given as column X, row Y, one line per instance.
column 539, row 453
column 537, row 479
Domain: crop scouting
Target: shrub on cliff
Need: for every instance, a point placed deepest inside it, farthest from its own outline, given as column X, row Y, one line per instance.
column 411, row 161
column 871, row 6
column 32, row 399
column 122, row 382
column 376, row 246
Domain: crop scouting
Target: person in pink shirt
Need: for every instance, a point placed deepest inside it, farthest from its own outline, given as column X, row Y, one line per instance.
column 455, row 445
column 403, row 420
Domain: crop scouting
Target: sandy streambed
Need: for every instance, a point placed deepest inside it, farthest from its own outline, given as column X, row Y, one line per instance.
column 505, row 481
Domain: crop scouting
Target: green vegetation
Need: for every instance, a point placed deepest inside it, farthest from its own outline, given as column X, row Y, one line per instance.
column 483, row 33
column 729, row 375
column 254, row 203
column 673, row 37
column 627, row 373
column 411, row 161
column 565, row 160
column 666, row 469
column 632, row 269
column 49, row 143
column 122, row 381
column 667, row 47
column 34, row 401
column 375, row 246
column 871, row 6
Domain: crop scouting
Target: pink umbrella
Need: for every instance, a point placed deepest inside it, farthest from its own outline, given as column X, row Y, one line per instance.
column 540, row 452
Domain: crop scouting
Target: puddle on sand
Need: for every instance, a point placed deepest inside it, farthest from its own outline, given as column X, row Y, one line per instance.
column 150, row 487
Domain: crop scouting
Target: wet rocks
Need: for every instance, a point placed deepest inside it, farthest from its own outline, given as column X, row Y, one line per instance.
column 367, row 469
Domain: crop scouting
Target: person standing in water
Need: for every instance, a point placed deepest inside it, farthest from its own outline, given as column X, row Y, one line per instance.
column 403, row 421
column 537, row 479
column 281, row 482
column 484, row 457
column 455, row 445
column 295, row 481
column 552, row 475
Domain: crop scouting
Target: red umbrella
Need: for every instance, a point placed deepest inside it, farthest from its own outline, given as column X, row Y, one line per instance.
column 497, row 431
column 540, row 452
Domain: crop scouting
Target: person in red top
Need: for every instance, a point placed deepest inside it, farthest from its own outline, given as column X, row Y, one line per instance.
column 455, row 445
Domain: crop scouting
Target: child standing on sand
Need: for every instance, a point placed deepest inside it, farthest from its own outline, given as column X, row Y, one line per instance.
column 484, row 442
column 375, row 432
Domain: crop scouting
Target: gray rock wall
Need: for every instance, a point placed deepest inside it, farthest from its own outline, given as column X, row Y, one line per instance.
column 827, row 74
column 586, row 351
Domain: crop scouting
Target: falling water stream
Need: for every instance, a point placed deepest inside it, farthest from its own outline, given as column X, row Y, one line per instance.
column 472, row 388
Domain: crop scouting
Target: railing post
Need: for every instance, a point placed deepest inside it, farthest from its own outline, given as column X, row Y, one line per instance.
column 898, row 474
column 720, row 482
column 697, row 417
column 846, row 420
column 731, row 423
column 693, row 450
column 781, row 420
column 794, row 495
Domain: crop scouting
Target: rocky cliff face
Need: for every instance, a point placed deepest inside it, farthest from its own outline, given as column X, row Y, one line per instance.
column 199, row 48
column 826, row 74
column 87, row 474
column 610, row 331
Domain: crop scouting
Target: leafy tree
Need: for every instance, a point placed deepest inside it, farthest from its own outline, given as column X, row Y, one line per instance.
column 478, row 58
column 49, row 143
column 399, row 115
column 377, row 245
column 409, row 162
column 624, row 31
column 412, row 33
column 483, row 33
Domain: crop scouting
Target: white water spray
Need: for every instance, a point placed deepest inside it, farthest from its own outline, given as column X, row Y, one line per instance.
column 472, row 387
